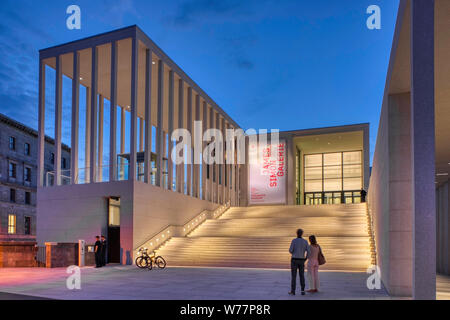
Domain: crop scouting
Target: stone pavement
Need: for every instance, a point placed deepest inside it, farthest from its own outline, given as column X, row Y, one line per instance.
column 178, row 283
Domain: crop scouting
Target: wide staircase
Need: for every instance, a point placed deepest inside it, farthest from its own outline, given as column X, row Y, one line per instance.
column 260, row 236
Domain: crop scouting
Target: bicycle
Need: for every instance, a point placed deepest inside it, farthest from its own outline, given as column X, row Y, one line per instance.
column 144, row 260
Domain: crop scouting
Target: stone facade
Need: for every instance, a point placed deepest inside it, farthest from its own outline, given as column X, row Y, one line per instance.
column 18, row 153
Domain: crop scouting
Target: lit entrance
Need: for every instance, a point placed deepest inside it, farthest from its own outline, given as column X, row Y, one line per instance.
column 329, row 168
column 113, row 236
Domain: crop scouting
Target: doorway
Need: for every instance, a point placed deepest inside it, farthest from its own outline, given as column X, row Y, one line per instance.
column 113, row 230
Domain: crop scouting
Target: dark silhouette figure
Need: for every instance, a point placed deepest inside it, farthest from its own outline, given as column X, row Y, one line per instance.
column 300, row 251
column 363, row 195
column 98, row 252
column 104, row 249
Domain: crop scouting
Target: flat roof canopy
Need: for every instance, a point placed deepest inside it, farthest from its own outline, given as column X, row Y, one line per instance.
column 331, row 142
column 400, row 81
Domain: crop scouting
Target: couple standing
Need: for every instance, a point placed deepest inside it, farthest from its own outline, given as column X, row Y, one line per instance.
column 301, row 251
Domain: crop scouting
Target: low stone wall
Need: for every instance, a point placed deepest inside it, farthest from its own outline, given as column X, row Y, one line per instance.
column 60, row 255
column 17, row 254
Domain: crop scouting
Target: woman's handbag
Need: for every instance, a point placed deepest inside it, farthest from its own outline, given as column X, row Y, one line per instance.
column 321, row 257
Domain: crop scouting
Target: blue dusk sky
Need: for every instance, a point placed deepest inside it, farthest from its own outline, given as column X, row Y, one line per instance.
column 285, row 64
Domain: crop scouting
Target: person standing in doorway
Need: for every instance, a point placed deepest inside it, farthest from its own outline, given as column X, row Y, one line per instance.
column 299, row 250
column 363, row 195
column 313, row 265
column 98, row 252
column 104, row 249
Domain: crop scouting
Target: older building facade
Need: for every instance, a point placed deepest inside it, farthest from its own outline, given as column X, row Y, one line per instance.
column 18, row 178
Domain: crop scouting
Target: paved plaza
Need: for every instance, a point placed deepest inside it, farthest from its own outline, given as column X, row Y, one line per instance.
column 177, row 283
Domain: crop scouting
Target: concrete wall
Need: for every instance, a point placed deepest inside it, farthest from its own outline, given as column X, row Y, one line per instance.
column 443, row 224
column 155, row 208
column 390, row 195
column 73, row 212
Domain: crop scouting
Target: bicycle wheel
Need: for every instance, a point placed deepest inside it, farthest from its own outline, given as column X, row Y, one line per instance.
column 141, row 262
column 160, row 262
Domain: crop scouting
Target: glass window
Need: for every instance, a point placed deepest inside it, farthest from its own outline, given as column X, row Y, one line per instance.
column 353, row 157
column 313, row 173
column 27, row 225
column 12, row 170
column 313, row 160
column 353, row 170
column 27, row 174
column 12, row 195
column 27, row 198
column 27, row 149
column 11, row 223
column 332, row 184
column 332, row 172
column 52, row 158
column 313, row 185
column 12, row 143
column 332, row 159
column 352, row 183
column 114, row 212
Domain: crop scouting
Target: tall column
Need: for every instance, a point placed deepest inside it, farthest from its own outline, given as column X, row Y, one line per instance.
column 100, row 138
column 87, row 138
column 113, row 116
column 122, row 140
column 94, row 122
column 204, row 165
column 180, row 167
column 217, row 167
column 189, row 128
column 423, row 149
column 148, row 116
column 58, row 119
column 75, row 118
column 134, row 90
column 41, row 125
column 159, row 129
column 170, row 114
column 222, row 123
column 141, row 134
column 197, row 145
column 212, row 167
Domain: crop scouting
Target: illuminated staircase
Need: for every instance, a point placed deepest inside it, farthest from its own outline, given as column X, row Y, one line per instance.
column 259, row 237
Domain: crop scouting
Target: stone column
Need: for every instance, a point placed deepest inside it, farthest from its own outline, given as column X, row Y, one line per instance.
column 204, row 165
column 423, row 149
column 148, row 116
column 87, row 138
column 94, row 123
column 189, row 128
column 58, row 119
column 75, row 118
column 100, row 138
column 180, row 167
column 41, row 125
column 159, row 129
column 134, row 91
column 170, row 115
column 113, row 115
